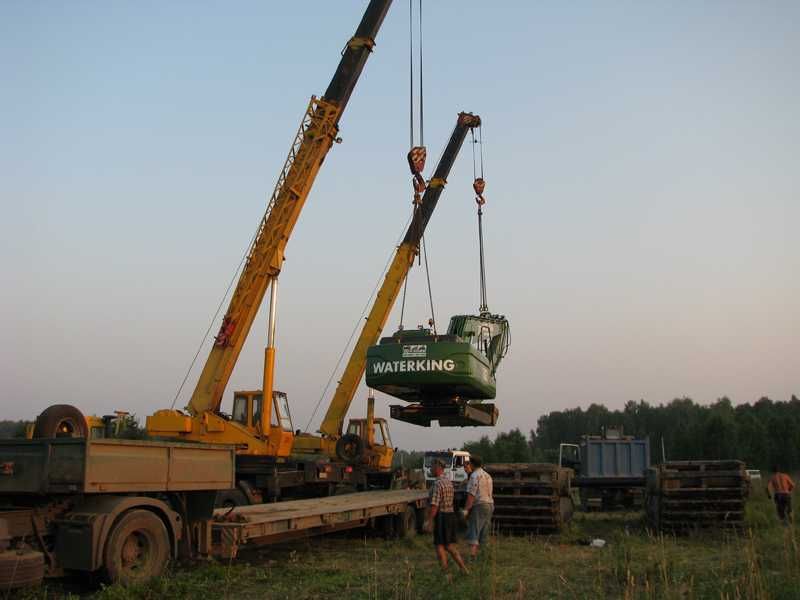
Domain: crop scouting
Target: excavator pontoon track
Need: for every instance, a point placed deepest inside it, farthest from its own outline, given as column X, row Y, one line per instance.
column 530, row 497
column 685, row 495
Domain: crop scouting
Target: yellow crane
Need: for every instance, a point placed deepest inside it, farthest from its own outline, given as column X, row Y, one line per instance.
column 359, row 442
column 260, row 424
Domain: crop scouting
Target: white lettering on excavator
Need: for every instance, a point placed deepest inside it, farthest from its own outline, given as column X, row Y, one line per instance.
column 413, row 366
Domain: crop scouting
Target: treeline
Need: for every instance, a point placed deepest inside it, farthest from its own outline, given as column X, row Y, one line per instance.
column 12, row 429
column 763, row 434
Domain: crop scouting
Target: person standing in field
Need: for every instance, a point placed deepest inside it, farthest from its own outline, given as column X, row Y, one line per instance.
column 443, row 519
column 479, row 506
column 780, row 488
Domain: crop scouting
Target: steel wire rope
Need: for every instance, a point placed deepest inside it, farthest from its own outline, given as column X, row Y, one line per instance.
column 484, row 307
column 411, row 72
column 421, row 97
column 430, row 289
column 216, row 314
column 358, row 322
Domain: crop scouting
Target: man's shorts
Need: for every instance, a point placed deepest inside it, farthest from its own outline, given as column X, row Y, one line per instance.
column 479, row 525
column 444, row 529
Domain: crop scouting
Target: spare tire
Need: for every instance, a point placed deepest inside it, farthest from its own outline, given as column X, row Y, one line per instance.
column 20, row 568
column 350, row 447
column 60, row 420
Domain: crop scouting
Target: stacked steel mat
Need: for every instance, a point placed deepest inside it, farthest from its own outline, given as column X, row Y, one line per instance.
column 531, row 497
column 683, row 495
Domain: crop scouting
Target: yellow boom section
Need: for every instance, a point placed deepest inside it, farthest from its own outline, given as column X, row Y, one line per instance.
column 313, row 141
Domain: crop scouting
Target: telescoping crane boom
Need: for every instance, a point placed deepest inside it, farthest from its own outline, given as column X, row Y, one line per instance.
column 333, row 422
column 260, row 425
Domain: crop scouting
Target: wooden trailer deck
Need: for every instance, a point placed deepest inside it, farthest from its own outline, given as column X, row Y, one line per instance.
column 262, row 524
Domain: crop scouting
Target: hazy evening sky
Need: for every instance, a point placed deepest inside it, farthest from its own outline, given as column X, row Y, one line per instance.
column 642, row 185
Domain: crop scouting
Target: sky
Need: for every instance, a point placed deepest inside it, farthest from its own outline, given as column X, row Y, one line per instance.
column 642, row 193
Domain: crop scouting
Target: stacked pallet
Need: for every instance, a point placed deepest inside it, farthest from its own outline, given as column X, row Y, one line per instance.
column 530, row 497
column 695, row 494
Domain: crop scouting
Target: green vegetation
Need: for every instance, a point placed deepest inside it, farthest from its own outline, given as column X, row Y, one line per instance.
column 12, row 429
column 761, row 563
column 763, row 434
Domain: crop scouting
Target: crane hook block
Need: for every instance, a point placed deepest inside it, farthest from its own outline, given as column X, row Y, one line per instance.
column 416, row 159
column 416, row 162
column 479, row 185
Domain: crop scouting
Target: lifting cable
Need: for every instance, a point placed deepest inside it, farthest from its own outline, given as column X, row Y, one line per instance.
column 478, row 185
column 417, row 156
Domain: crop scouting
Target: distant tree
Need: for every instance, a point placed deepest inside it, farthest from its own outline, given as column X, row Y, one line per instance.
column 13, row 429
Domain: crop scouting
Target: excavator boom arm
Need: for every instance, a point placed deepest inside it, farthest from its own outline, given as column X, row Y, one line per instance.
column 398, row 270
column 315, row 136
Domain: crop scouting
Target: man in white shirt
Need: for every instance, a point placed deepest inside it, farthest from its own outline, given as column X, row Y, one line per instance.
column 479, row 506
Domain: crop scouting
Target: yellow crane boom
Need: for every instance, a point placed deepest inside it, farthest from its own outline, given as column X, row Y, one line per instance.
column 259, row 423
column 314, row 138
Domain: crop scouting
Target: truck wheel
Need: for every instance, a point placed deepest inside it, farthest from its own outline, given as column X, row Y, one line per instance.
column 20, row 569
column 137, row 549
column 405, row 523
column 230, row 499
column 60, row 420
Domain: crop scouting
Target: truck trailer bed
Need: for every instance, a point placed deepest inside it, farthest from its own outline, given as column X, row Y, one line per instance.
column 262, row 524
column 97, row 466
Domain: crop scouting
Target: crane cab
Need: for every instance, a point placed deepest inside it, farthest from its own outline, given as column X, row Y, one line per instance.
column 378, row 448
column 246, row 411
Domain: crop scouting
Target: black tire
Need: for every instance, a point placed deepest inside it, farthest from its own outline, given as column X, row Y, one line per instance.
column 349, row 447
column 231, row 499
column 60, row 420
column 405, row 523
column 138, row 548
column 20, row 568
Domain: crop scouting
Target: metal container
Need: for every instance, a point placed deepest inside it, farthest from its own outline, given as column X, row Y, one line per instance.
column 617, row 459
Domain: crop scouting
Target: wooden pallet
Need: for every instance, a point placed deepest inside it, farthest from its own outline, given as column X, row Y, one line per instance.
column 530, row 497
column 683, row 495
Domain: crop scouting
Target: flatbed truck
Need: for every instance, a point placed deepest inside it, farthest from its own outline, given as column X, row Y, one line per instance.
column 125, row 508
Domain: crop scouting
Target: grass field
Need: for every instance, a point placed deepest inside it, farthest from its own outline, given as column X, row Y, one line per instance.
column 763, row 562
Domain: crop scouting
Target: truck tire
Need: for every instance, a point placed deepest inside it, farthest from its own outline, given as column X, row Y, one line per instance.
column 20, row 568
column 349, row 447
column 231, row 499
column 60, row 420
column 137, row 548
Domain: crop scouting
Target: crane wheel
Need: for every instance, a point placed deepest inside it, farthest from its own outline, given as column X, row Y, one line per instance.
column 137, row 549
column 60, row 420
column 20, row 569
column 350, row 447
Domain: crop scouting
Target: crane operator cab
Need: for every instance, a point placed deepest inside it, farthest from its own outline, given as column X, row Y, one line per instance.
column 374, row 447
column 246, row 411
column 443, row 377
